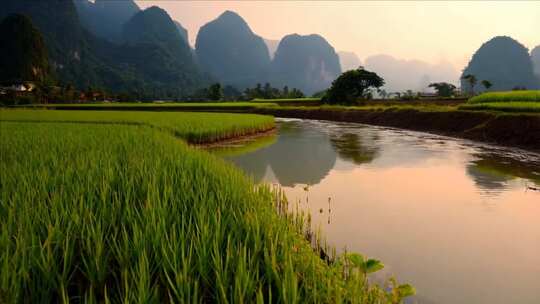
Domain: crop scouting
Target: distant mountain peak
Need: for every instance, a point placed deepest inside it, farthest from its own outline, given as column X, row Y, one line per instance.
column 151, row 69
column 228, row 49
column 106, row 18
column 504, row 62
column 231, row 15
column 348, row 60
column 153, row 12
column 154, row 25
column 535, row 57
column 124, row 4
column 306, row 62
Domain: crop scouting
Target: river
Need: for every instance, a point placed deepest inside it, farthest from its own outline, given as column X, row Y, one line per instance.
column 457, row 219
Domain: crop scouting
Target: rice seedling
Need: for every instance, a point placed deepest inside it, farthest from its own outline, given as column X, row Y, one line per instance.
column 128, row 213
column 509, row 96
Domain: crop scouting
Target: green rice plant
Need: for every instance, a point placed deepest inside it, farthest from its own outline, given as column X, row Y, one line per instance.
column 193, row 127
column 526, row 107
column 128, row 213
column 509, row 96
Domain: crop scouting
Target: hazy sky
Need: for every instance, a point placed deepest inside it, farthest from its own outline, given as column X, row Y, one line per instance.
column 432, row 31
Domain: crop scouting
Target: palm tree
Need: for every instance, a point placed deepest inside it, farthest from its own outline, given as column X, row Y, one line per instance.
column 487, row 84
column 472, row 81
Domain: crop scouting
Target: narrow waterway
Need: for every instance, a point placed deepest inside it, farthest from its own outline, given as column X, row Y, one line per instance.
column 458, row 220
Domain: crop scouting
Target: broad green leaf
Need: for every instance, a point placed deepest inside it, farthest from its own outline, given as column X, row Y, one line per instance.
column 406, row 290
column 356, row 259
column 373, row 265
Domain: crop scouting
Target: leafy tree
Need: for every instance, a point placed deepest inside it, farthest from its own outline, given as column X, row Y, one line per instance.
column 269, row 92
column 215, row 92
column 443, row 89
column 487, row 84
column 295, row 93
column 231, row 93
column 409, row 95
column 471, row 79
column 353, row 85
column 286, row 90
column 319, row 94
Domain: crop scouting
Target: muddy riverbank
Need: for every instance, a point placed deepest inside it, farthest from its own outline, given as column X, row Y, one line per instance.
column 514, row 130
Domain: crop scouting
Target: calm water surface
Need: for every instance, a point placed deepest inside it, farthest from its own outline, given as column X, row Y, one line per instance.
column 456, row 219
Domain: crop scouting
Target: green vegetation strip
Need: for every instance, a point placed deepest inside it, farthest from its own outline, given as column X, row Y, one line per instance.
column 193, row 127
column 525, row 107
column 154, row 104
column 128, row 213
column 288, row 100
column 376, row 107
column 510, row 96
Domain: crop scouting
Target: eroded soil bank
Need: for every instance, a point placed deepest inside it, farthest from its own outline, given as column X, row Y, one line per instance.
column 515, row 130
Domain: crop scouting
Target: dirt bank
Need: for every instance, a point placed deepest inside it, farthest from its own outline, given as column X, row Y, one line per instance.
column 516, row 130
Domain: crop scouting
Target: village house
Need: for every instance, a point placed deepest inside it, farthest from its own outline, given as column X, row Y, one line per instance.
column 18, row 88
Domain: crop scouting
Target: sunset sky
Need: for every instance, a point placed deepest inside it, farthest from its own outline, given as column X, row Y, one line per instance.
column 432, row 31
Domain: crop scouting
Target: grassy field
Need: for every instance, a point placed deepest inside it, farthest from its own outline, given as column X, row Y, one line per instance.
column 510, row 96
column 193, row 127
column 517, row 106
column 94, row 212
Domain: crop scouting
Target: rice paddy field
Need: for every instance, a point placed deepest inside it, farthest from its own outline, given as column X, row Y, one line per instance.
column 192, row 127
column 511, row 101
column 112, row 207
column 514, row 106
column 509, row 96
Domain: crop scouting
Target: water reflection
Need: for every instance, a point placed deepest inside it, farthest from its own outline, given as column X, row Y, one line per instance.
column 417, row 202
column 490, row 182
column 299, row 156
column 352, row 147
column 493, row 174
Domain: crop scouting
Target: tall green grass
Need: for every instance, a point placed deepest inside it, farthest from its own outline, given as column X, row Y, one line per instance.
column 193, row 127
column 510, row 96
column 128, row 213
